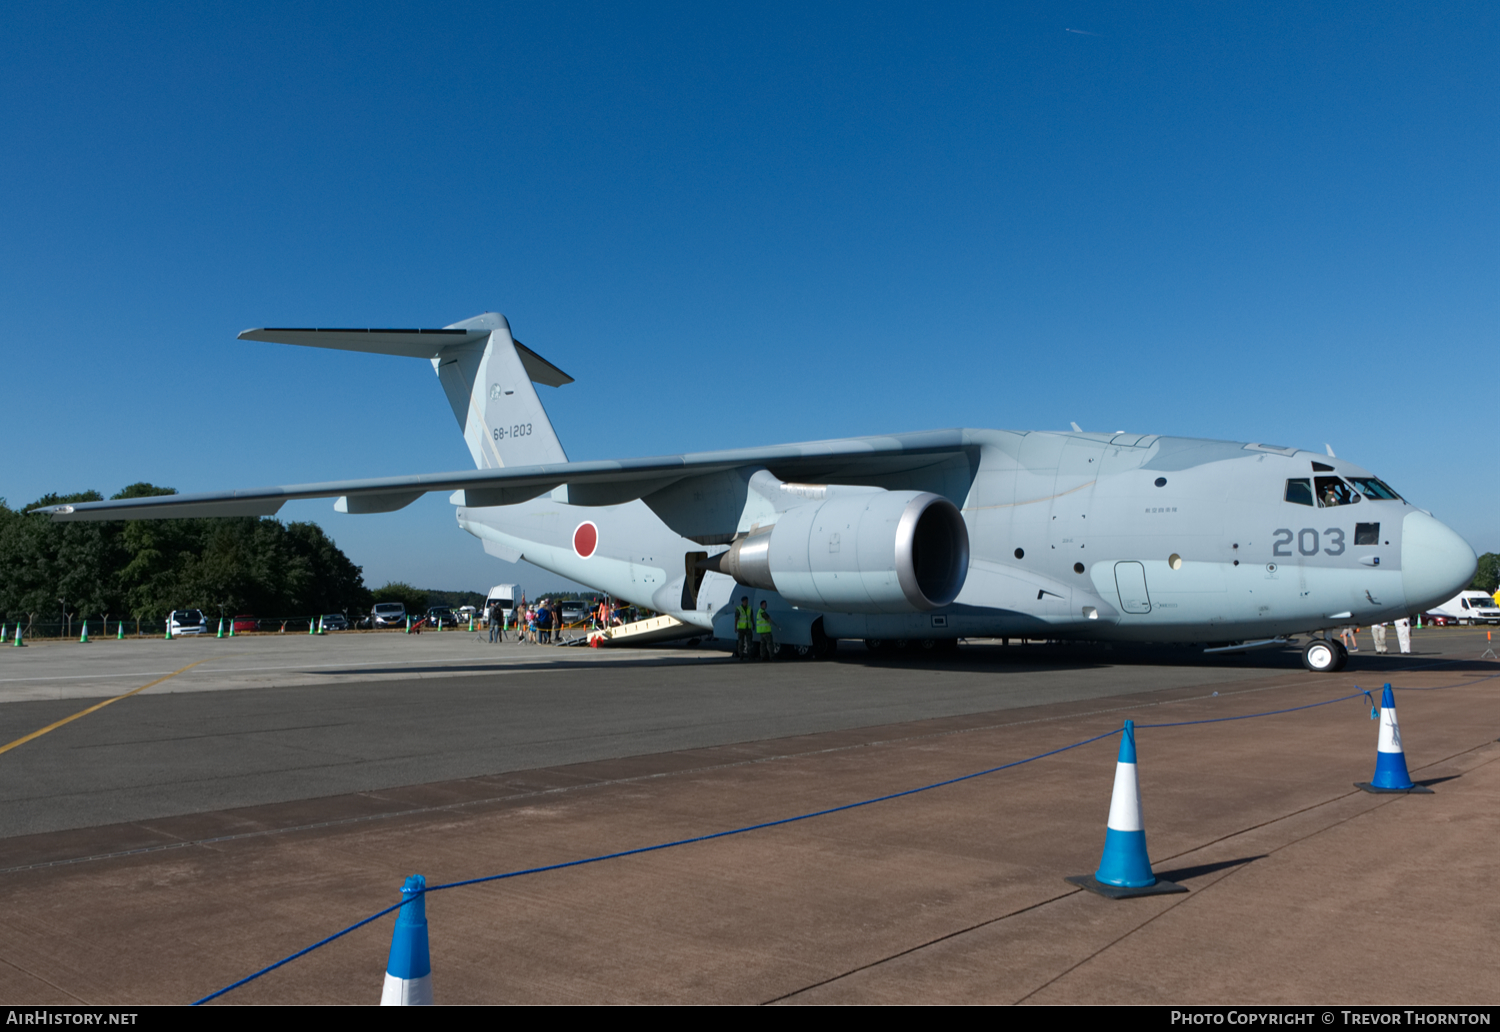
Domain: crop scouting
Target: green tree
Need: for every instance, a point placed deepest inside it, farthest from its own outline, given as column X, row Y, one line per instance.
column 49, row 570
column 145, row 568
column 1487, row 577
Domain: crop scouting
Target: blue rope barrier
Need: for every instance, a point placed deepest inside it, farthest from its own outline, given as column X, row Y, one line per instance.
column 766, row 824
column 1445, row 687
column 1267, row 713
column 654, row 848
column 306, row 949
column 770, row 824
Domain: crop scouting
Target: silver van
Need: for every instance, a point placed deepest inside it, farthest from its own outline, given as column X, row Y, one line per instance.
column 388, row 614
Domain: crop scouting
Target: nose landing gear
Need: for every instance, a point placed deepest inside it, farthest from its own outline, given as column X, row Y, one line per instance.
column 1325, row 656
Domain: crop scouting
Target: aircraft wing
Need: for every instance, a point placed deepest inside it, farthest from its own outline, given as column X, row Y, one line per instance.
column 607, row 482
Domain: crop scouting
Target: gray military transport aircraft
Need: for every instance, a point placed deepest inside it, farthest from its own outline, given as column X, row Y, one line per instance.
column 913, row 538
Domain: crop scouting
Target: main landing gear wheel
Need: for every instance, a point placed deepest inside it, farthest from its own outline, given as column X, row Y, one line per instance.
column 1343, row 654
column 1323, row 656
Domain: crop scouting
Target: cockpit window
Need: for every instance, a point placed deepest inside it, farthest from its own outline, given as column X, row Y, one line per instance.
column 1332, row 491
column 1299, row 492
column 1370, row 487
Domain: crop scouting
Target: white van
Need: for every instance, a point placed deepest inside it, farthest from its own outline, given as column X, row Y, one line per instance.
column 1473, row 607
column 503, row 595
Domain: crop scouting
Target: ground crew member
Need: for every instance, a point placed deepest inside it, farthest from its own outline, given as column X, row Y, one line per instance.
column 1378, row 631
column 743, row 628
column 1403, row 633
column 763, row 626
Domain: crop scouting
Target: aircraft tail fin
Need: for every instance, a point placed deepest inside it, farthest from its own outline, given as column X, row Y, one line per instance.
column 486, row 373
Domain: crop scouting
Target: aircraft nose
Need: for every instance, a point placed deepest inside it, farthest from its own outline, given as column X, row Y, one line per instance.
column 1436, row 563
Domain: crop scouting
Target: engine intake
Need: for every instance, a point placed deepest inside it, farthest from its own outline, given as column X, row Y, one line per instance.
column 860, row 551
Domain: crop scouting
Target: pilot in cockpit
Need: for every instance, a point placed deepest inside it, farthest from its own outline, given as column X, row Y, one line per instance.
column 1332, row 491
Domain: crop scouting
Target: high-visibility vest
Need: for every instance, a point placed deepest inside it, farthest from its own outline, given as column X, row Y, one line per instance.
column 762, row 622
column 742, row 618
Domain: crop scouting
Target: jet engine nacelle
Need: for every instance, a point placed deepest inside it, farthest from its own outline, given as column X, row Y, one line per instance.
column 860, row 551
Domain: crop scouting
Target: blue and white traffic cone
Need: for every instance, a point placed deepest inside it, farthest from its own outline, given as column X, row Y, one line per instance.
column 1125, row 868
column 1390, row 761
column 408, row 974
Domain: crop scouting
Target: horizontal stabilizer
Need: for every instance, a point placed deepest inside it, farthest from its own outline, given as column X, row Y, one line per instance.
column 427, row 344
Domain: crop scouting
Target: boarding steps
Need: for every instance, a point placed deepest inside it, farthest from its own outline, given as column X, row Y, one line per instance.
column 644, row 632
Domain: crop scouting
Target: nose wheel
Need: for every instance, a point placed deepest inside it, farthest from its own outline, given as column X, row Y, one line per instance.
column 1325, row 656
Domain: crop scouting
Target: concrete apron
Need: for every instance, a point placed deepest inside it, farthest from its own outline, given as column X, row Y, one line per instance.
column 1302, row 888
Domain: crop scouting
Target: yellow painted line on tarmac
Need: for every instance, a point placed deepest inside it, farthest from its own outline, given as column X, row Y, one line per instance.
column 99, row 706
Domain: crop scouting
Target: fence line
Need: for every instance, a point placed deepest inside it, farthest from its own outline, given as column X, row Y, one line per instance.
column 60, row 630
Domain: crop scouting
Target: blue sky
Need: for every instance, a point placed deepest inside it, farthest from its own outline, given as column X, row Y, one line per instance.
column 738, row 225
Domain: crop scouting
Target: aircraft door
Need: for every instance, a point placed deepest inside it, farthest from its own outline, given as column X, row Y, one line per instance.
column 693, row 579
column 1130, row 581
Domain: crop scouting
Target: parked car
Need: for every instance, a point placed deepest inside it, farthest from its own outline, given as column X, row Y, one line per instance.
column 187, row 621
column 574, row 613
column 245, row 622
column 335, row 622
column 388, row 614
column 443, row 615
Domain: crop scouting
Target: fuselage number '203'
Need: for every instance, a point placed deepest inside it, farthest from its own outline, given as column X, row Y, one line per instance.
column 1307, row 542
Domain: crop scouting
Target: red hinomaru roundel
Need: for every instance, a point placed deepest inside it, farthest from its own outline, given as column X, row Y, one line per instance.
column 586, row 539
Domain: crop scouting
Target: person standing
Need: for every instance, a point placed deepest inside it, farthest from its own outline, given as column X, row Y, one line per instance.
column 1377, row 631
column 743, row 628
column 763, row 625
column 1403, row 633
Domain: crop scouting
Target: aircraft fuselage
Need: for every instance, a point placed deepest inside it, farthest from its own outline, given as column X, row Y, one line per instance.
column 1108, row 537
